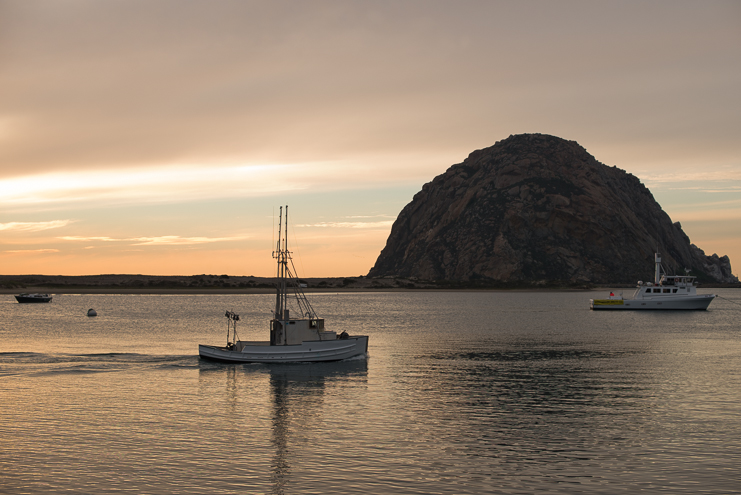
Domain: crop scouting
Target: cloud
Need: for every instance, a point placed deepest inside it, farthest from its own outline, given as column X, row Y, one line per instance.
column 192, row 182
column 32, row 251
column 34, row 226
column 144, row 185
column 368, row 216
column 174, row 240
column 166, row 240
column 81, row 238
column 675, row 175
column 351, row 225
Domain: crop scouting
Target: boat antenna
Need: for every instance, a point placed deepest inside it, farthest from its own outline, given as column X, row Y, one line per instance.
column 657, row 262
column 273, row 240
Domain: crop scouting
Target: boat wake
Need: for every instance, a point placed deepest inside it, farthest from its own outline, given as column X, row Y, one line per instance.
column 34, row 363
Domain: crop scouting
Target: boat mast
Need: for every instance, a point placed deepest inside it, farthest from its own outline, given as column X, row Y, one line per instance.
column 279, row 254
column 286, row 273
column 657, row 274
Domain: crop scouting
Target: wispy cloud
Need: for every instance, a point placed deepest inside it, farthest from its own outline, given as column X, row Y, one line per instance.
column 173, row 240
column 350, row 225
column 86, row 239
column 166, row 240
column 691, row 176
column 143, row 185
column 172, row 183
column 32, row 251
column 369, row 216
column 34, row 226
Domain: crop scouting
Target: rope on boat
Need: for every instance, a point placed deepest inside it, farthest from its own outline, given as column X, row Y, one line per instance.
column 726, row 299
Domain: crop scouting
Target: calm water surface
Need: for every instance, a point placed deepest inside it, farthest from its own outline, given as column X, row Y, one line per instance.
column 462, row 392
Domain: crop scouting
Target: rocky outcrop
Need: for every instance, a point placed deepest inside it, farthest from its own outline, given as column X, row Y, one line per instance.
column 537, row 208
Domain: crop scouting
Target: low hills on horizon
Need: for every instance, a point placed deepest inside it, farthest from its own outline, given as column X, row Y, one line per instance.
column 143, row 284
column 228, row 284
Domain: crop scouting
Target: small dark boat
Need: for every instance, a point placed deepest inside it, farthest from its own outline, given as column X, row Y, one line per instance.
column 33, row 298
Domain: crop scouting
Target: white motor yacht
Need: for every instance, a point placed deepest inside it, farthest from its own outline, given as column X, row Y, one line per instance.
column 666, row 292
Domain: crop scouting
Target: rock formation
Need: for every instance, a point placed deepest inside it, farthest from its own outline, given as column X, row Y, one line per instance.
column 537, row 208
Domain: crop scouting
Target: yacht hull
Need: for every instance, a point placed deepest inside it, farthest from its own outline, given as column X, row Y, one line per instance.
column 698, row 302
column 306, row 352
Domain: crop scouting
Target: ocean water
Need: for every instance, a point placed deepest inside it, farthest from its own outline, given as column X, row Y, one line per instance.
column 462, row 392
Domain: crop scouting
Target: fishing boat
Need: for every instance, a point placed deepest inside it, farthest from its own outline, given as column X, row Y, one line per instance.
column 665, row 292
column 33, row 298
column 298, row 336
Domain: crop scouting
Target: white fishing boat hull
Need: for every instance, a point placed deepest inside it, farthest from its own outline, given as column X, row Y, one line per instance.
column 696, row 302
column 305, row 352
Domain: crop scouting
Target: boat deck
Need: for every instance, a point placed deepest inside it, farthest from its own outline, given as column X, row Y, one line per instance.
column 243, row 343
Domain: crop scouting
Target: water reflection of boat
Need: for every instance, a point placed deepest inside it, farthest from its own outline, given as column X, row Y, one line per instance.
column 33, row 298
column 301, row 339
column 294, row 403
column 666, row 292
column 297, row 395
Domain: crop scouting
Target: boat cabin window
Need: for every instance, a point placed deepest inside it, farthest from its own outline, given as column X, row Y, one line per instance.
column 674, row 291
column 648, row 291
column 657, row 291
column 667, row 291
column 312, row 324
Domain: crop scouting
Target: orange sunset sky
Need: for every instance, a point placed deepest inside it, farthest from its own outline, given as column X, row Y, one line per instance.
column 161, row 137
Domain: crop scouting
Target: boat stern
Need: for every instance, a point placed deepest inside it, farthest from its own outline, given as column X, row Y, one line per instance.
column 606, row 303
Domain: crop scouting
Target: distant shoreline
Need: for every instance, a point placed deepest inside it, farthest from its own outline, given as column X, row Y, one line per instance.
column 99, row 290
column 225, row 284
column 196, row 292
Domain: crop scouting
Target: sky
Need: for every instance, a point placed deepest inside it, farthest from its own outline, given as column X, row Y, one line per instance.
column 161, row 138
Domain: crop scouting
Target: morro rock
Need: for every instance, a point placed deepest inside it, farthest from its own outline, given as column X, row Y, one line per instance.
column 535, row 208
